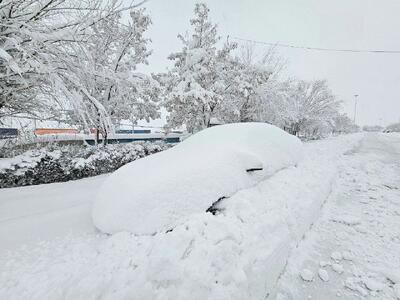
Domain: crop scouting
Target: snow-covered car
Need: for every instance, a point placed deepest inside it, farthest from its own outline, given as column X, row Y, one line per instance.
column 152, row 194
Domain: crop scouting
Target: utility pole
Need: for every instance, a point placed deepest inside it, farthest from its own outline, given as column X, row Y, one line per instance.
column 355, row 108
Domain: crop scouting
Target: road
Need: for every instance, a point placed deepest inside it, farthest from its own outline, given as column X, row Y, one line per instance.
column 353, row 250
column 44, row 212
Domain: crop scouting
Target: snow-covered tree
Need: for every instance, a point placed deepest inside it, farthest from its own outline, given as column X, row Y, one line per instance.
column 306, row 108
column 246, row 82
column 343, row 124
column 372, row 128
column 113, row 52
column 195, row 85
column 274, row 102
column 63, row 55
column 29, row 43
column 311, row 108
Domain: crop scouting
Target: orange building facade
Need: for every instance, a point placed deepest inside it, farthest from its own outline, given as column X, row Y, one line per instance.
column 44, row 131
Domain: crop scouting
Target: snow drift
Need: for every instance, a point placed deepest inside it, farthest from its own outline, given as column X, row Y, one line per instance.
column 152, row 194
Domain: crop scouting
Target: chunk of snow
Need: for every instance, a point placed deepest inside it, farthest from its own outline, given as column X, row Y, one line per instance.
column 323, row 274
column 391, row 274
column 338, row 268
column 152, row 194
column 396, row 289
column 336, row 255
column 324, row 263
column 347, row 255
column 307, row 275
column 4, row 55
column 373, row 285
column 354, row 284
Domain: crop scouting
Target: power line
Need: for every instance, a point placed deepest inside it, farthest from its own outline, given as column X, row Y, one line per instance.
column 317, row 48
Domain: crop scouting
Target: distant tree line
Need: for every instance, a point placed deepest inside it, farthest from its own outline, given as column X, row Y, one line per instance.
column 395, row 127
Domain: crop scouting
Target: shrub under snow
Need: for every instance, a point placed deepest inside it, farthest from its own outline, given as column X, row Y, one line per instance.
column 63, row 163
column 152, row 194
column 393, row 127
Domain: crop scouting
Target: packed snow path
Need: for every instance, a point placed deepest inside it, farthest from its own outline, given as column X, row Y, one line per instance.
column 353, row 250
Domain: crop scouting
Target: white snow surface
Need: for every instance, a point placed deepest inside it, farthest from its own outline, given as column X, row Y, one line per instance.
column 237, row 254
column 154, row 193
column 357, row 235
column 307, row 275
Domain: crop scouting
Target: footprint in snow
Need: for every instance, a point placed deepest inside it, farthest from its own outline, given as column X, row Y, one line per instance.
column 307, row 275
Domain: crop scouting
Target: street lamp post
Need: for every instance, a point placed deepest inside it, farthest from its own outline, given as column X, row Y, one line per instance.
column 355, row 108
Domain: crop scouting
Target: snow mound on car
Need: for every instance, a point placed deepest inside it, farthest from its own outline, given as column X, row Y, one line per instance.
column 152, row 194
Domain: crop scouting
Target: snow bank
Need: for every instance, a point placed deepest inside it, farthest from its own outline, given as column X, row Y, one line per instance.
column 152, row 194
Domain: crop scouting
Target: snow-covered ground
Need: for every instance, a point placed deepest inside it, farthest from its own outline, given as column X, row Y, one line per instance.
column 353, row 250
column 44, row 212
column 259, row 245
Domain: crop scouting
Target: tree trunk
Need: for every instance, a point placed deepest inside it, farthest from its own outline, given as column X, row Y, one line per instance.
column 97, row 136
column 105, row 134
column 98, row 129
column 244, row 111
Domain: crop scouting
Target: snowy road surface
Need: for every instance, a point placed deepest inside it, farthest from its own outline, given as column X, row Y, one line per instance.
column 42, row 212
column 350, row 252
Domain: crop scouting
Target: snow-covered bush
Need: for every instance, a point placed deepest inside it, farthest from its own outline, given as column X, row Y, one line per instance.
column 372, row 128
column 63, row 163
column 153, row 194
column 393, row 127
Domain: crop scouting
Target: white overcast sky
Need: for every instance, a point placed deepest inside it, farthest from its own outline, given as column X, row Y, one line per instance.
column 354, row 24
